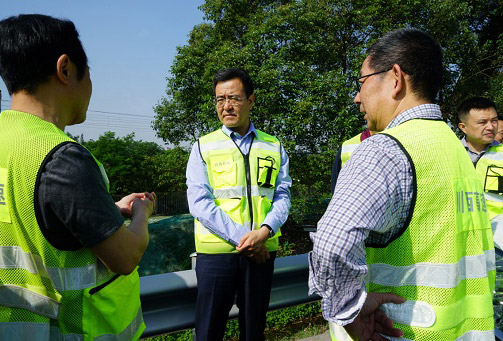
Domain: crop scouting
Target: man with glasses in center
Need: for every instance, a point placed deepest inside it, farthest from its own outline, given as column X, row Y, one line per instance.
column 406, row 237
column 239, row 194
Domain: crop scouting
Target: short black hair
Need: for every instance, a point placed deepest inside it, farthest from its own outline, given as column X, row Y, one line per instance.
column 30, row 45
column 474, row 103
column 418, row 55
column 231, row 73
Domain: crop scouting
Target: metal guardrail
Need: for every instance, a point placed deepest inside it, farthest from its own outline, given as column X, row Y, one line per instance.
column 169, row 300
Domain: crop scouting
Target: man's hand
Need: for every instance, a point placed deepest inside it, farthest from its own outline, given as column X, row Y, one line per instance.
column 252, row 245
column 143, row 206
column 371, row 321
column 125, row 205
column 260, row 255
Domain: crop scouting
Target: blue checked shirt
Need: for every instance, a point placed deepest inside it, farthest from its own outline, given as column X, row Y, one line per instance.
column 202, row 202
column 370, row 203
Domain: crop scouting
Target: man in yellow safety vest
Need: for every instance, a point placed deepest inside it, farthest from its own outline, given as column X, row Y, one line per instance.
column 238, row 189
column 478, row 120
column 67, row 261
column 405, row 247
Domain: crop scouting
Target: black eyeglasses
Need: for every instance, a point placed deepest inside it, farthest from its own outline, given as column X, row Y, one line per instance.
column 234, row 100
column 359, row 84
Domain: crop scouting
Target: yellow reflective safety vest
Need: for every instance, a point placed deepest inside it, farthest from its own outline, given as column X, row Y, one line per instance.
column 348, row 147
column 443, row 260
column 46, row 293
column 490, row 170
column 243, row 185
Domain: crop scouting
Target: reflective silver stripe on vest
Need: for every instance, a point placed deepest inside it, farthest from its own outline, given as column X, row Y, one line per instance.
column 64, row 279
column 57, row 336
column 266, row 145
column 410, row 313
column 128, row 333
column 433, row 274
column 349, row 148
column 240, row 192
column 216, row 145
column 204, row 230
column 24, row 331
column 230, row 192
column 13, row 257
column 494, row 197
column 19, row 297
column 491, row 155
column 472, row 335
column 43, row 331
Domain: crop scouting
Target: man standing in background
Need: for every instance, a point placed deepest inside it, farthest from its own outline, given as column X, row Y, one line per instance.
column 239, row 194
column 478, row 120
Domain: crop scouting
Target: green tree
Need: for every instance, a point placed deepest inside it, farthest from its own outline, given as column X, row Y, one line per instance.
column 126, row 161
column 169, row 168
column 136, row 166
column 303, row 56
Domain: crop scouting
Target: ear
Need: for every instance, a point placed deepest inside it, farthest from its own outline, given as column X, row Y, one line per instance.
column 251, row 100
column 63, row 68
column 462, row 126
column 399, row 80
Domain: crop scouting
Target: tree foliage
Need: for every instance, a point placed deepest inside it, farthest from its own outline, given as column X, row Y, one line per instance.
column 303, row 55
column 138, row 166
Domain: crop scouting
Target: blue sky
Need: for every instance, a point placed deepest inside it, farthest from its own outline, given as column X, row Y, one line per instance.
column 131, row 46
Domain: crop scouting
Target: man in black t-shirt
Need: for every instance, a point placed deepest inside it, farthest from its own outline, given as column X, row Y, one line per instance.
column 58, row 223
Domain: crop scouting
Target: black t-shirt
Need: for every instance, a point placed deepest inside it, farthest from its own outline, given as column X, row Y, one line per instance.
column 72, row 204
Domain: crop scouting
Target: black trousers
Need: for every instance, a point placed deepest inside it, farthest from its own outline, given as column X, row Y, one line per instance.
column 219, row 278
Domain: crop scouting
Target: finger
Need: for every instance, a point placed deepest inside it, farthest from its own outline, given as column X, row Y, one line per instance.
column 387, row 297
column 383, row 319
column 242, row 240
column 384, row 325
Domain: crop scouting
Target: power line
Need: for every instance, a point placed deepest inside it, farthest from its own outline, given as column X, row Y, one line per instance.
column 103, row 112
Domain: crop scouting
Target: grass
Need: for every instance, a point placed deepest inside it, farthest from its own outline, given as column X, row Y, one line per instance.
column 295, row 330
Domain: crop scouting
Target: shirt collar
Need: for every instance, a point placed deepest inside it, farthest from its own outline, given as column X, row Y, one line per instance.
column 463, row 142
column 423, row 111
column 232, row 133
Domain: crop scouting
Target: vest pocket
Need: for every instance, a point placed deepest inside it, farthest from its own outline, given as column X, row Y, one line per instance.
column 266, row 172
column 224, row 171
column 112, row 307
column 494, row 180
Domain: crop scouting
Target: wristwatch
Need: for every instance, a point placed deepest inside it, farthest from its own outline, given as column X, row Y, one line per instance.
column 271, row 232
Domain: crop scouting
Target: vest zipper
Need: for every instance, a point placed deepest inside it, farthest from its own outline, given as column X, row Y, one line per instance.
column 101, row 286
column 246, row 159
column 248, row 186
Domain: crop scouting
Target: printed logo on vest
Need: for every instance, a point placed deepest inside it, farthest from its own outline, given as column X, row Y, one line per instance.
column 470, row 202
column 222, row 163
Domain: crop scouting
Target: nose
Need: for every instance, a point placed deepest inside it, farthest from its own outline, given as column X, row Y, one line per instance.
column 227, row 105
column 357, row 98
column 491, row 126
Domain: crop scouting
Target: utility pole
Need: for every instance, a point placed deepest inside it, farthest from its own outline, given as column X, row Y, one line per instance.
column 0, row 100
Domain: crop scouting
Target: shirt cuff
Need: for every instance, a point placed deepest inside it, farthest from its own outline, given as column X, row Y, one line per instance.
column 272, row 223
column 237, row 233
column 348, row 313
